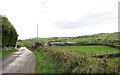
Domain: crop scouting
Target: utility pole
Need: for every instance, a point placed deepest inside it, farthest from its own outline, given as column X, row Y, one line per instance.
column 37, row 24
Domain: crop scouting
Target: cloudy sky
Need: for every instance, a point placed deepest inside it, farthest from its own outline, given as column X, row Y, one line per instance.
column 61, row 17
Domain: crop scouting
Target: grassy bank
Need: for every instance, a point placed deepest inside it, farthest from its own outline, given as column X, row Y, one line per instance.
column 7, row 52
column 44, row 62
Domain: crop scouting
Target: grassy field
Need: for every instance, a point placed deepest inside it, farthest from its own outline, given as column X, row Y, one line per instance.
column 98, row 50
column 44, row 62
column 7, row 52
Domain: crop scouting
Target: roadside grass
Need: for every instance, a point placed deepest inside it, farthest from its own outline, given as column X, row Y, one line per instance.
column 7, row 52
column 98, row 50
column 44, row 62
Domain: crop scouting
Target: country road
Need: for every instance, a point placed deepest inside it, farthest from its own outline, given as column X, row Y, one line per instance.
column 22, row 61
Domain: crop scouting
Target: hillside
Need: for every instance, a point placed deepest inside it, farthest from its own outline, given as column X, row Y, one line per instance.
column 85, row 38
column 101, row 38
column 94, row 37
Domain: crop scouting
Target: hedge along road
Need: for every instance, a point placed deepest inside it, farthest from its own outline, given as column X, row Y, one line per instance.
column 22, row 61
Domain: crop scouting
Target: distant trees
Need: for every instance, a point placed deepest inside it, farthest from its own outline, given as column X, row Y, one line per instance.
column 9, row 34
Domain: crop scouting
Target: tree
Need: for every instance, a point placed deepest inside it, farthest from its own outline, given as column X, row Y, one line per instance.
column 9, row 34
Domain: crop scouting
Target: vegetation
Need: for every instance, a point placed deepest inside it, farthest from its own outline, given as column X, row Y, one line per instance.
column 98, row 50
column 9, row 34
column 106, row 39
column 94, row 37
column 0, row 31
column 27, row 44
column 77, row 59
column 84, row 38
column 72, row 62
column 7, row 52
column 44, row 62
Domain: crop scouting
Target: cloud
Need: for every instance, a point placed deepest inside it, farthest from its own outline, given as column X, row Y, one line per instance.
column 89, row 20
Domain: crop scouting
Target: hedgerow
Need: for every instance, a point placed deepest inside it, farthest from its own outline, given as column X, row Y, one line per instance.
column 71, row 62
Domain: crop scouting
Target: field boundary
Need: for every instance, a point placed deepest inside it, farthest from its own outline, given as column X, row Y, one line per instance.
column 108, row 55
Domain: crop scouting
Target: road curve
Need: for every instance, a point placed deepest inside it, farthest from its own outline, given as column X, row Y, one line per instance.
column 22, row 61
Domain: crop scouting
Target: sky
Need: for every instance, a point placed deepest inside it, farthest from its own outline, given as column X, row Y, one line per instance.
column 61, row 18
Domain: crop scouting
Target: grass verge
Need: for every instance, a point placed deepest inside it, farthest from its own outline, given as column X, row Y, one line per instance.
column 44, row 62
column 7, row 52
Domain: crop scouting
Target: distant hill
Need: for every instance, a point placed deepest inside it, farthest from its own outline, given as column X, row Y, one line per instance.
column 110, row 39
column 100, row 37
column 84, row 38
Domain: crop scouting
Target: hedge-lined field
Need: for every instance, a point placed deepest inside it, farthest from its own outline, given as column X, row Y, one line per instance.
column 72, row 62
column 77, row 59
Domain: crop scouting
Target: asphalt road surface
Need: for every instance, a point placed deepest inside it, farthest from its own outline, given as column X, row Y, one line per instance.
column 22, row 61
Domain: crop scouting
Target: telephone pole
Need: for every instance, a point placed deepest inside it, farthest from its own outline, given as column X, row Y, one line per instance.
column 37, row 24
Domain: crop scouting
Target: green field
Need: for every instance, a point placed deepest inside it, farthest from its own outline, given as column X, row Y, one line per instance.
column 98, row 50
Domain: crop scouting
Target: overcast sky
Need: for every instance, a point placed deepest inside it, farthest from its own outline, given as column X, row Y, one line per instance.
column 61, row 17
